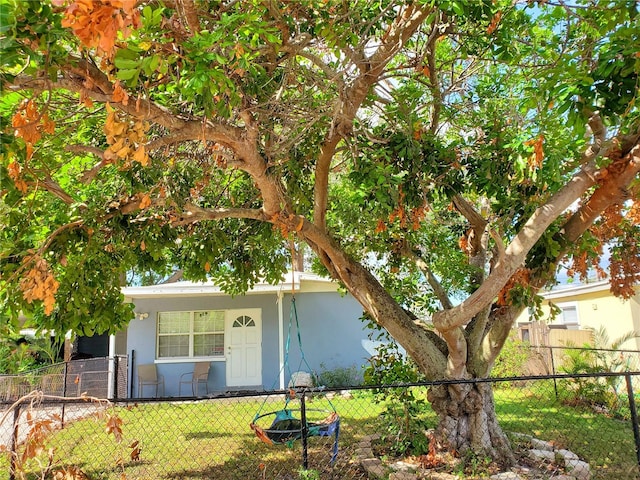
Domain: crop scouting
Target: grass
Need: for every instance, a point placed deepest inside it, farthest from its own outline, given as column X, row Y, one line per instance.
column 212, row 439
column 606, row 443
column 209, row 439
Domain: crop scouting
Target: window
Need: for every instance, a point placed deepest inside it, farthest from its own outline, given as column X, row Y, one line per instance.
column 190, row 334
column 244, row 321
column 567, row 318
column 570, row 315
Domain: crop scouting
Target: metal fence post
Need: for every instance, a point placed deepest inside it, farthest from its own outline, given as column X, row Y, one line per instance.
column 65, row 372
column 553, row 372
column 131, row 366
column 116, row 371
column 14, row 443
column 305, row 431
column 634, row 415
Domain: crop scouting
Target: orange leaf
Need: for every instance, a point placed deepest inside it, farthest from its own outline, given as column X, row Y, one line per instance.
column 114, row 425
column 18, row 120
column 14, row 169
column 22, row 186
column 135, row 454
column 145, row 201
column 140, row 156
column 494, row 22
column 535, row 160
column 463, row 243
column 85, row 99
column 48, row 125
column 123, row 152
column 26, row 122
column 97, row 23
column 119, row 95
column 39, row 284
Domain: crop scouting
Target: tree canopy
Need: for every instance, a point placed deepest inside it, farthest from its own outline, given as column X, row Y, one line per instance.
column 440, row 158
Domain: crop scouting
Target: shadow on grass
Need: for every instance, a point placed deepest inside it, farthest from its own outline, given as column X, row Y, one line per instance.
column 278, row 463
column 607, row 444
column 239, row 454
column 205, row 435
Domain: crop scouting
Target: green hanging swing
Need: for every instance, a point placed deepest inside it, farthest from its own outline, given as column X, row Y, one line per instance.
column 285, row 427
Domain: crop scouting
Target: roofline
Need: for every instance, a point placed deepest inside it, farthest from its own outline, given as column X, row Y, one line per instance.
column 579, row 289
column 201, row 289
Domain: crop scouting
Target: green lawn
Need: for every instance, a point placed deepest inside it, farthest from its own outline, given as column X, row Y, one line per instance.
column 606, row 443
column 212, row 439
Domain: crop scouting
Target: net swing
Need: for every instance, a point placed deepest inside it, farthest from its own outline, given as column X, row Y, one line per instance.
column 290, row 424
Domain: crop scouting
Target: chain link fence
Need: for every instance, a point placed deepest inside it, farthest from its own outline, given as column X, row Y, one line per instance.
column 104, row 377
column 548, row 360
column 578, row 426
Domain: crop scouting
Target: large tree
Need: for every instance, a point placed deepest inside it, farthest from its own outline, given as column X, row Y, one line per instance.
column 440, row 158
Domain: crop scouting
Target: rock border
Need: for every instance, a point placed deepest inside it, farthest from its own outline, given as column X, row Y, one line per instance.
column 539, row 451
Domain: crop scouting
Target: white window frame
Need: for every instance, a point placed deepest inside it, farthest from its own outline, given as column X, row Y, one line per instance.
column 191, row 333
column 560, row 320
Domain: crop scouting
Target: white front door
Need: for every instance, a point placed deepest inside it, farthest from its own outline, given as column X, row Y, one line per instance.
column 243, row 338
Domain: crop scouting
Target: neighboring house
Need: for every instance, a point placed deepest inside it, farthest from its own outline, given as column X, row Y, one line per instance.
column 583, row 307
column 243, row 337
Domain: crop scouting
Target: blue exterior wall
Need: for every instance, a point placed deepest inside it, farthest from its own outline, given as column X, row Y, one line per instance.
column 330, row 329
column 331, row 334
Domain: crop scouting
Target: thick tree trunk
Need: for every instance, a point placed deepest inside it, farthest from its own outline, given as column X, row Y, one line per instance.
column 467, row 421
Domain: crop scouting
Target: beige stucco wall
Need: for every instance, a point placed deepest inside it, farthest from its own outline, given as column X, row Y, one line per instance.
column 598, row 307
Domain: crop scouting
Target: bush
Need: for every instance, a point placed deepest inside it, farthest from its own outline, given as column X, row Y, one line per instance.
column 512, row 360
column 341, row 377
column 403, row 424
column 602, row 356
column 19, row 355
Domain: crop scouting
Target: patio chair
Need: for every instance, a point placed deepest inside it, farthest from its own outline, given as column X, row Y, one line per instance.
column 199, row 375
column 148, row 376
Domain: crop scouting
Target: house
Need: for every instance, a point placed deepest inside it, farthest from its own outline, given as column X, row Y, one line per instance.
column 244, row 338
column 583, row 306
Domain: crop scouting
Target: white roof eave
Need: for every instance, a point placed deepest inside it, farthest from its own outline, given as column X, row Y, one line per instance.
column 579, row 289
column 200, row 289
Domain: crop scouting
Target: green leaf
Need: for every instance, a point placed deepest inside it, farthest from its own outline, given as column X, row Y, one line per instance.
column 127, row 64
column 457, row 8
column 7, row 19
column 127, row 74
